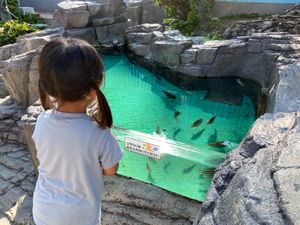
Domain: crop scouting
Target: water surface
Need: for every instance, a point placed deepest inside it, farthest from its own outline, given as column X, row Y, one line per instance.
column 139, row 102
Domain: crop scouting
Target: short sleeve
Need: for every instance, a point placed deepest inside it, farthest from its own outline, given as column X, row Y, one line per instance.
column 110, row 151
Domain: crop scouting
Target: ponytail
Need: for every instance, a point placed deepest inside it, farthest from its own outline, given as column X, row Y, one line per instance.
column 103, row 115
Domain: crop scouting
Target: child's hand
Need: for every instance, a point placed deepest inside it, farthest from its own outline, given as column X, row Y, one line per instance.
column 111, row 171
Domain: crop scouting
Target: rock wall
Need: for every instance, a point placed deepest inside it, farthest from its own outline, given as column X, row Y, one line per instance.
column 270, row 59
column 251, row 186
column 18, row 67
column 103, row 22
column 289, row 22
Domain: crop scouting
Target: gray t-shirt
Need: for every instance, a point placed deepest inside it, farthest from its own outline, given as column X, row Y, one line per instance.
column 72, row 151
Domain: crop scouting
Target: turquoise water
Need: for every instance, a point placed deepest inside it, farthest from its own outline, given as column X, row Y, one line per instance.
column 139, row 103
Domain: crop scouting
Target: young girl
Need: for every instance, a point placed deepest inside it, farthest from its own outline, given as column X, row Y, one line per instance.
column 74, row 150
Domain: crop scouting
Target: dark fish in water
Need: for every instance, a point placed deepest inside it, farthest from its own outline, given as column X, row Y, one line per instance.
column 213, row 138
column 169, row 95
column 152, row 160
column 176, row 114
column 150, row 178
column 164, row 130
column 197, row 135
column 211, row 120
column 208, row 171
column 197, row 123
column 157, row 130
column 166, row 166
column 240, row 82
column 176, row 132
column 189, row 169
column 158, row 78
column 148, row 168
column 219, row 144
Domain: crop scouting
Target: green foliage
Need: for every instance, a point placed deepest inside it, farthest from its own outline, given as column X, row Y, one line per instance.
column 185, row 15
column 28, row 17
column 12, row 29
column 13, row 6
column 31, row 18
column 211, row 36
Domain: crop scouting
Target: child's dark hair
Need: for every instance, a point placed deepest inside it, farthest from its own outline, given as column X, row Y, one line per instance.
column 69, row 69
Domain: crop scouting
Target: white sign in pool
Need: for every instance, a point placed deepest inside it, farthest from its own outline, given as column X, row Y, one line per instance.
column 143, row 148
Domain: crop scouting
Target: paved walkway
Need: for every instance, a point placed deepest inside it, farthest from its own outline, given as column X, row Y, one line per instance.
column 16, row 184
column 16, row 171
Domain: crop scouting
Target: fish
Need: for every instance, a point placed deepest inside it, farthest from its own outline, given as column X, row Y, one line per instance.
column 157, row 130
column 208, row 171
column 164, row 130
column 166, row 166
column 198, row 134
column 157, row 77
column 240, row 82
column 189, row 169
column 148, row 167
column 150, row 178
column 169, row 95
column 176, row 132
column 197, row 123
column 211, row 120
column 152, row 160
column 213, row 138
column 176, row 114
column 219, row 144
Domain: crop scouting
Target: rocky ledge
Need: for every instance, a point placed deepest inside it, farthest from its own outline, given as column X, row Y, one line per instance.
column 259, row 182
column 287, row 22
column 270, row 59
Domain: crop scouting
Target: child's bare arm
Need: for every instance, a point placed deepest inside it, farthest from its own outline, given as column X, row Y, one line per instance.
column 111, row 171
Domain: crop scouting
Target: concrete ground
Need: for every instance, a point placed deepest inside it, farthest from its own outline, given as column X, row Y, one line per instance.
column 17, row 177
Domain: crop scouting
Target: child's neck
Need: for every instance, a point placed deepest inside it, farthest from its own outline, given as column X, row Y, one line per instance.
column 72, row 107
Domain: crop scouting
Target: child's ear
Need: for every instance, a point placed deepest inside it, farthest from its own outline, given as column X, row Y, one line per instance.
column 99, row 83
column 93, row 93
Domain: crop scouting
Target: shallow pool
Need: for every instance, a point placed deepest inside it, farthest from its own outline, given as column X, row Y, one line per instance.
column 200, row 125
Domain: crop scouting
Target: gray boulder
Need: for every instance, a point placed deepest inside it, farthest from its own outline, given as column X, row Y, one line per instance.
column 16, row 76
column 140, row 38
column 144, row 28
column 194, row 70
column 109, row 9
column 188, row 56
column 288, row 89
column 134, row 14
column 243, row 190
column 109, row 20
column 33, row 81
column 11, row 50
column 139, row 49
column 88, row 34
column 205, row 55
column 70, row 19
column 111, row 33
column 152, row 13
column 168, row 53
column 72, row 6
